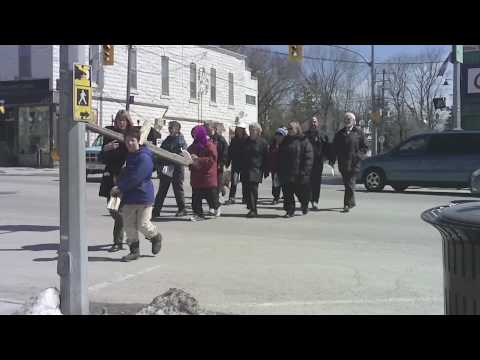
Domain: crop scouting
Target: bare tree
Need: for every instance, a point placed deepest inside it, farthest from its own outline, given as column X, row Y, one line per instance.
column 277, row 78
column 424, row 86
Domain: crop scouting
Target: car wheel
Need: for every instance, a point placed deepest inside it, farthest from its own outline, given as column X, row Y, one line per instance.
column 374, row 180
column 399, row 188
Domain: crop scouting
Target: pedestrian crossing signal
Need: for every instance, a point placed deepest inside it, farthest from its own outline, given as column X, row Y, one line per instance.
column 295, row 52
column 108, row 55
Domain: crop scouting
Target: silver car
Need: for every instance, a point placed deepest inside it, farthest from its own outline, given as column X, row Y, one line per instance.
column 449, row 159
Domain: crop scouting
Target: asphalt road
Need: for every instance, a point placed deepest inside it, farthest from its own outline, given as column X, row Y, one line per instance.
column 380, row 258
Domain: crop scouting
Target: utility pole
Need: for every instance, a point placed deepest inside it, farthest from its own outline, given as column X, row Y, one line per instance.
column 383, row 108
column 457, row 106
column 129, row 56
column 73, row 250
column 375, row 130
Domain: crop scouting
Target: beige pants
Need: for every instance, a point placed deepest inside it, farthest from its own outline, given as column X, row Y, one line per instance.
column 136, row 218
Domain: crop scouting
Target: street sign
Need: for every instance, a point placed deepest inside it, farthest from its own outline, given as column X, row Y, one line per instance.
column 473, row 81
column 82, row 93
column 381, row 139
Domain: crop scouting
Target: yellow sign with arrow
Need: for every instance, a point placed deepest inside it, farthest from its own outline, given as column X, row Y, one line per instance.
column 82, row 93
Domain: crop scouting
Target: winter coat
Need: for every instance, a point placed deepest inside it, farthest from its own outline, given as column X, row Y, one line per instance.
column 203, row 171
column 235, row 151
column 173, row 144
column 135, row 183
column 349, row 149
column 321, row 147
column 222, row 150
column 273, row 158
column 254, row 160
column 295, row 160
column 114, row 161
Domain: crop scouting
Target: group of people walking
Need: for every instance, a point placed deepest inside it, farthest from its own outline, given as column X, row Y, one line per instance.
column 294, row 160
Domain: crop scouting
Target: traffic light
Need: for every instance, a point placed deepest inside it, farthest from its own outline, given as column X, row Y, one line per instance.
column 295, row 52
column 2, row 107
column 108, row 58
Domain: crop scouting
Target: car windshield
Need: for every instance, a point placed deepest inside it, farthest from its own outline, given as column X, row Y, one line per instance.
column 416, row 145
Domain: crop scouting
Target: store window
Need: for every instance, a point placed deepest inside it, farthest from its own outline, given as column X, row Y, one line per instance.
column 33, row 126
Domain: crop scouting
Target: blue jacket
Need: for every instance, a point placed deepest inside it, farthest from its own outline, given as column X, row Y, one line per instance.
column 135, row 183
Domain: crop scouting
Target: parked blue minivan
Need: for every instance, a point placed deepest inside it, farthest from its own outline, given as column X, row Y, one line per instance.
column 449, row 159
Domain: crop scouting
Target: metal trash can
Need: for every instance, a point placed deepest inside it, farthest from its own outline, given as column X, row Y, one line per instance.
column 459, row 225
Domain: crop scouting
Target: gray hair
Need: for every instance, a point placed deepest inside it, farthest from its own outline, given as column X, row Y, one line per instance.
column 255, row 126
column 350, row 116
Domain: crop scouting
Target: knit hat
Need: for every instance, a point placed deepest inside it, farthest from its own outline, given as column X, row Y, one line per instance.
column 281, row 131
column 200, row 136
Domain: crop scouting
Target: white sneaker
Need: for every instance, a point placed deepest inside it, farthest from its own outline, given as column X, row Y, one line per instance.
column 218, row 212
column 196, row 218
column 211, row 212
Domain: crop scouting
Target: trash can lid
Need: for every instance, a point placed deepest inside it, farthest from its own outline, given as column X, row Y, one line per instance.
column 466, row 215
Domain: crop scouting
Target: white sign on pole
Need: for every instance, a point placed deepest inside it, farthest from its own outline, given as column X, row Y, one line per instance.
column 473, row 81
column 381, row 139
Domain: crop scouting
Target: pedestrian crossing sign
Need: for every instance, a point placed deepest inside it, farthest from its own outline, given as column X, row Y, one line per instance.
column 82, row 93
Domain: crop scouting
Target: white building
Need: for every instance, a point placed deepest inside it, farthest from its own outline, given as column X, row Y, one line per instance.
column 186, row 83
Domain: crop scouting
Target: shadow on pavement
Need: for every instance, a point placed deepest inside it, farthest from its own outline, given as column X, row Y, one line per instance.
column 29, row 228
column 329, row 209
column 169, row 218
column 259, row 216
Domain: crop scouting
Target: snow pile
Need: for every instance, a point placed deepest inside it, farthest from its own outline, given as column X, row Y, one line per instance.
column 173, row 302
column 46, row 303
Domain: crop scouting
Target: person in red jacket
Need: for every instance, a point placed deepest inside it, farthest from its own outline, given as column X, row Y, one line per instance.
column 203, row 172
column 273, row 163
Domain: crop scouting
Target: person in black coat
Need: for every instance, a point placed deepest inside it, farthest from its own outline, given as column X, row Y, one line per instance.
column 349, row 148
column 253, row 167
column 170, row 173
column 222, row 152
column 294, row 170
column 114, row 155
column 321, row 152
column 235, row 151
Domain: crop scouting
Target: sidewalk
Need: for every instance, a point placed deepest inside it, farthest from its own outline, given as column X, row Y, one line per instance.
column 23, row 171
column 8, row 307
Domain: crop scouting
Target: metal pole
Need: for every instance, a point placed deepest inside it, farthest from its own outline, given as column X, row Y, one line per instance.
column 383, row 109
column 73, row 251
column 374, row 139
column 457, row 113
column 129, row 56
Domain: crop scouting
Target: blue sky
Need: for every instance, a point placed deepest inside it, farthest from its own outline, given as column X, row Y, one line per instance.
column 382, row 52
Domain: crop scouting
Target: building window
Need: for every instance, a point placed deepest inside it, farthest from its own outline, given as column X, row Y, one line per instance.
column 133, row 68
column 165, row 73
column 193, row 81
column 230, row 89
column 25, row 61
column 213, row 85
column 250, row 99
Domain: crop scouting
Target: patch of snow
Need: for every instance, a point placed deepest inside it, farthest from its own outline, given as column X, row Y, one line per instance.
column 45, row 303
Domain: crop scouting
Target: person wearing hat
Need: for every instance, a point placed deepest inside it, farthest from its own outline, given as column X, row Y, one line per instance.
column 203, row 173
column 321, row 152
column 349, row 148
column 234, row 159
column 273, row 163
